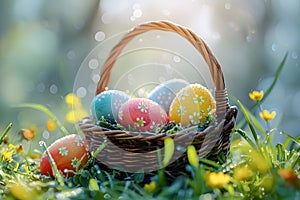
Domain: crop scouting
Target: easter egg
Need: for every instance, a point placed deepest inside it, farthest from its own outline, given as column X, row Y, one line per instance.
column 107, row 104
column 142, row 114
column 164, row 93
column 192, row 105
column 69, row 153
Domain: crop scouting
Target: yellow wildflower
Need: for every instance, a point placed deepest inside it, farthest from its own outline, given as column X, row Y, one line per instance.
column 73, row 100
column 289, row 176
column 11, row 146
column 27, row 134
column 74, row 116
column 19, row 149
column 256, row 96
column 33, row 128
column 78, row 112
column 25, row 168
column 259, row 162
column 7, row 155
column 34, row 156
column 5, row 141
column 150, row 187
column 50, row 125
column 216, row 179
column 22, row 192
column 267, row 116
column 242, row 173
column 267, row 182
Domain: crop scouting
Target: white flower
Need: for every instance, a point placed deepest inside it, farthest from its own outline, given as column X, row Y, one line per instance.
column 181, row 111
column 117, row 104
column 198, row 99
column 183, row 95
column 140, row 122
column 153, row 125
column 79, row 141
column 121, row 115
column 143, row 107
column 75, row 163
column 63, row 151
column 195, row 118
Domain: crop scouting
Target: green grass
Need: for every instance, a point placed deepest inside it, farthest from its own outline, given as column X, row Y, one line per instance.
column 256, row 168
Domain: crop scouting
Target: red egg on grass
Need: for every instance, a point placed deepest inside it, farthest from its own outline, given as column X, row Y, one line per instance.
column 142, row 114
column 69, row 153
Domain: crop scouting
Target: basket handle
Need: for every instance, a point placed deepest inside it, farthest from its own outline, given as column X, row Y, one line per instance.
column 222, row 104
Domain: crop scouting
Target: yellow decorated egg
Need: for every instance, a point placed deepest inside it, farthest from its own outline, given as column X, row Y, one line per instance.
column 192, row 105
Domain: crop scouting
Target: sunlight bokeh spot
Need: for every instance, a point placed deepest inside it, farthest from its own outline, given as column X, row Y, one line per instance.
column 99, row 36
column 81, row 92
column 93, row 64
column 53, row 89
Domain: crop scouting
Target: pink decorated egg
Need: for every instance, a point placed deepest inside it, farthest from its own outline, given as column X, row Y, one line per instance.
column 142, row 114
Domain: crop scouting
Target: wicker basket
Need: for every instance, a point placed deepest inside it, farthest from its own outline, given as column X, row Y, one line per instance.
column 142, row 151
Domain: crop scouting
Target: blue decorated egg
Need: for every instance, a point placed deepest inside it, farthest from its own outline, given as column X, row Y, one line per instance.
column 164, row 93
column 107, row 104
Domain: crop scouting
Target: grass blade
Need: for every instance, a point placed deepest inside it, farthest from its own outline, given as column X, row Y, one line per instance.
column 269, row 90
column 280, row 154
column 245, row 112
column 56, row 173
column 192, row 156
column 5, row 132
column 209, row 162
column 291, row 137
column 255, row 122
column 169, row 150
column 42, row 108
column 245, row 136
column 94, row 154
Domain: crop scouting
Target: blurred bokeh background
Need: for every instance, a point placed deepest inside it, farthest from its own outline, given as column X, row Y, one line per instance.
column 47, row 46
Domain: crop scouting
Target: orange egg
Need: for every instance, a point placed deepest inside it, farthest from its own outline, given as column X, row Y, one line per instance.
column 69, row 153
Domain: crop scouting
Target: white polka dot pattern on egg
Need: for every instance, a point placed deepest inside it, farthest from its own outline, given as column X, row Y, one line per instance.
column 79, row 141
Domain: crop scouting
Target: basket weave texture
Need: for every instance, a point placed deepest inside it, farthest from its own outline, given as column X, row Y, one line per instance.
column 142, row 151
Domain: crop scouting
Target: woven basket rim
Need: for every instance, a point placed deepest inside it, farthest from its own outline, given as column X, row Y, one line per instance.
column 87, row 121
column 220, row 93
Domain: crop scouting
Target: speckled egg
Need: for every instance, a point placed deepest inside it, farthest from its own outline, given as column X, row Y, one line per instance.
column 107, row 104
column 164, row 93
column 142, row 114
column 191, row 105
column 69, row 153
